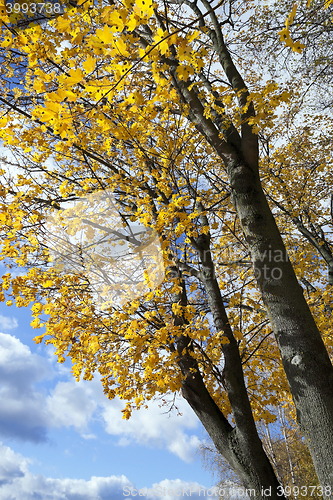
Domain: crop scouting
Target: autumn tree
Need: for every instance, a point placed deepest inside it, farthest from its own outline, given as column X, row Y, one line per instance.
column 142, row 122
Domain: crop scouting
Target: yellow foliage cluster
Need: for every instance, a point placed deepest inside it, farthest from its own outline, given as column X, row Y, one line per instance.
column 99, row 112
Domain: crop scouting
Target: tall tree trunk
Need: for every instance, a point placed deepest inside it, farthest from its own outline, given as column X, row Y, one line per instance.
column 240, row 444
column 305, row 359
column 242, row 449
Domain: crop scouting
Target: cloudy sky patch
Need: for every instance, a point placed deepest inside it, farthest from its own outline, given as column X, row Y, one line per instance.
column 155, row 427
column 63, row 439
column 8, row 323
column 16, row 481
column 22, row 407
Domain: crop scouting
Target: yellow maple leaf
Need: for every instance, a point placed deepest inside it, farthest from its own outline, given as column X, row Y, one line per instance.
column 76, row 76
column 3, row 121
column 298, row 47
column 35, row 323
column 47, row 115
column 37, row 308
column 163, row 45
column 122, row 48
column 47, row 284
column 184, row 51
column 105, row 35
column 39, row 86
column 144, row 8
column 8, row 41
column 291, row 16
column 105, row 13
column 62, row 24
column 89, row 64
column 184, row 71
column 3, row 12
column 132, row 23
column 117, row 20
column 39, row 338
column 284, row 34
column 63, row 95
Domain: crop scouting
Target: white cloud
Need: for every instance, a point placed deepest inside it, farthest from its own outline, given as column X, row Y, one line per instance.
column 27, row 413
column 72, row 404
column 76, row 404
column 7, row 323
column 16, row 481
column 153, row 427
column 12, row 465
column 183, row 446
column 22, row 408
column 89, row 436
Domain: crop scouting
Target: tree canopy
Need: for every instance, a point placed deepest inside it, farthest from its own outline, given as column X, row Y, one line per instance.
column 157, row 134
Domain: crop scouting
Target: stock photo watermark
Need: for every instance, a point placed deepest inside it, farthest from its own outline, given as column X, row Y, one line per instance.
column 120, row 260
column 189, row 491
column 227, row 491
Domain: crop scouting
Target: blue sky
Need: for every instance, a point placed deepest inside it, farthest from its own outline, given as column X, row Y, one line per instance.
column 64, row 440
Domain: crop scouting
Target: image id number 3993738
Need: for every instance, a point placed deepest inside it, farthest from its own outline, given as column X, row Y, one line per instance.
column 315, row 491
column 33, row 8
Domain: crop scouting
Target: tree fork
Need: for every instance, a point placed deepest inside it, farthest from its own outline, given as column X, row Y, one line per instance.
column 305, row 359
column 239, row 445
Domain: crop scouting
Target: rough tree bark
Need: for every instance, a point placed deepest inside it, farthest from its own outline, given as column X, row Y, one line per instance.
column 239, row 444
column 305, row 359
